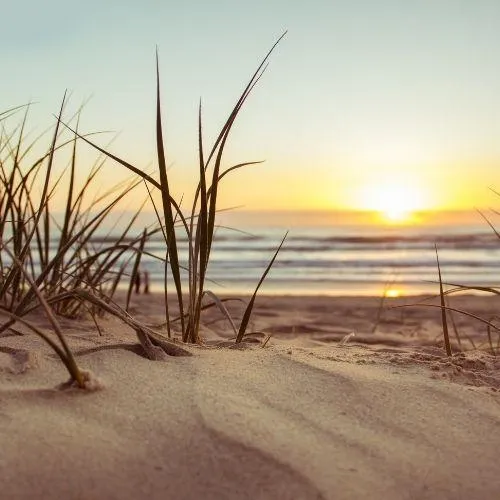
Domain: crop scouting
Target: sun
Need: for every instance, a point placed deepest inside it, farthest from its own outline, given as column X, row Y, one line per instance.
column 396, row 201
column 393, row 293
column 396, row 214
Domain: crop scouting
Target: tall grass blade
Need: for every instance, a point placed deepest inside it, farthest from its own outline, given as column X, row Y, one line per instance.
column 249, row 308
column 198, row 254
column 490, row 340
column 167, row 207
column 444, row 320
column 454, row 324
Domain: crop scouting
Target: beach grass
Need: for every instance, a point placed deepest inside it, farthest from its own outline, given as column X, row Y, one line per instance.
column 78, row 276
column 32, row 273
column 199, row 225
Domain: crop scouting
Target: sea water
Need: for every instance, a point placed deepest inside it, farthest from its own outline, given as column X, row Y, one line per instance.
column 344, row 259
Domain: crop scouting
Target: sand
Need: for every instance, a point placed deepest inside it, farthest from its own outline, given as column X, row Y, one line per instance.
column 316, row 413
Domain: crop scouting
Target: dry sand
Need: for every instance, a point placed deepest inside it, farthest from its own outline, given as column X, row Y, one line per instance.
column 384, row 415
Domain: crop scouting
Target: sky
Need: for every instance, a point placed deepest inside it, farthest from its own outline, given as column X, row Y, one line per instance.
column 366, row 104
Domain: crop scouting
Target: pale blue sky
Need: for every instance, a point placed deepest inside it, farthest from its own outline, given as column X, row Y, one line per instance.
column 358, row 91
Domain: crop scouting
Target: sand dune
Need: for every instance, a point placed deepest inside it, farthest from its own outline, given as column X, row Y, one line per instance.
column 385, row 415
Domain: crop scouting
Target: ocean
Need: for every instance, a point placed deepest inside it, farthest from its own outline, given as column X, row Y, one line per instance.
column 343, row 259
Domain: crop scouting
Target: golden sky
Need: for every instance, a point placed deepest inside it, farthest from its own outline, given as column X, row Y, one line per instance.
column 366, row 105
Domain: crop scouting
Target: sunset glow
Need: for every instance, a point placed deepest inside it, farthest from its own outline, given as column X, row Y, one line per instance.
column 393, row 293
column 395, row 201
column 375, row 116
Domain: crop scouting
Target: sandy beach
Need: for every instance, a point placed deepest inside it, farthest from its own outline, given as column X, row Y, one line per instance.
column 316, row 413
column 341, row 160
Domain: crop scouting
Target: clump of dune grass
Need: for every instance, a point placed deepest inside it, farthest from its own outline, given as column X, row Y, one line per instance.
column 200, row 223
column 446, row 309
column 78, row 276
column 43, row 260
column 28, row 227
column 490, row 323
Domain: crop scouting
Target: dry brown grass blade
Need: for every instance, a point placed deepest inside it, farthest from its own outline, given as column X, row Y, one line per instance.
column 168, row 215
column 223, row 309
column 444, row 320
column 143, row 331
column 460, row 311
column 453, row 323
column 135, row 270
column 65, row 354
column 248, row 310
column 490, row 339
